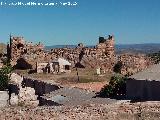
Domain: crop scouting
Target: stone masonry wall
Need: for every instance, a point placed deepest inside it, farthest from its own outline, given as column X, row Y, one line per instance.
column 132, row 63
column 101, row 55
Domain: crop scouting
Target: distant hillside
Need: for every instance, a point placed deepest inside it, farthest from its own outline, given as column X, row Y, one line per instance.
column 59, row 46
column 138, row 48
column 62, row 46
column 3, row 48
column 123, row 48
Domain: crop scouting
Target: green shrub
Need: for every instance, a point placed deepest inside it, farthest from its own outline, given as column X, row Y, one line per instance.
column 116, row 87
column 4, row 77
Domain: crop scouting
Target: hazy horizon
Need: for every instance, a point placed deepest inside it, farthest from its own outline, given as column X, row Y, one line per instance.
column 36, row 42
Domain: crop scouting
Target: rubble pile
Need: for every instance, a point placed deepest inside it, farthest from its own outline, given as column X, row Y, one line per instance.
column 16, row 79
column 122, row 111
column 26, row 95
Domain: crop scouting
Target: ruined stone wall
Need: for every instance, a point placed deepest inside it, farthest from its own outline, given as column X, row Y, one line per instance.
column 132, row 63
column 17, row 47
column 29, row 52
column 106, row 53
column 102, row 55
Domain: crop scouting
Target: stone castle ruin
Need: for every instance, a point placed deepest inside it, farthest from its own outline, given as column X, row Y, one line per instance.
column 25, row 55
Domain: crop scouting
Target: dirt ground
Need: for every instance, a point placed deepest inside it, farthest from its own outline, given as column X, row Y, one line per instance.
column 116, row 111
column 93, row 86
column 86, row 78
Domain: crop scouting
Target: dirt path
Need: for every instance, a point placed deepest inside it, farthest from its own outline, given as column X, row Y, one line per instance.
column 94, row 86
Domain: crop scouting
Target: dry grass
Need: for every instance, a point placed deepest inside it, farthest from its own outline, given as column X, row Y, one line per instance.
column 85, row 76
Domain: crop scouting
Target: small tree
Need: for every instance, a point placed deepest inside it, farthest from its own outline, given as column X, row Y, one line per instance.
column 116, row 87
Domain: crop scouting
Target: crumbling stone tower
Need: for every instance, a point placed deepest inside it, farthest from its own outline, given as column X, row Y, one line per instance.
column 106, row 47
column 110, row 51
column 16, row 48
column 102, row 56
column 19, row 49
column 106, row 52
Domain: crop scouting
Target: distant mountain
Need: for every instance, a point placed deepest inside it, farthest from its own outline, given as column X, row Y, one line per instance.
column 123, row 48
column 138, row 48
column 59, row 46
column 63, row 46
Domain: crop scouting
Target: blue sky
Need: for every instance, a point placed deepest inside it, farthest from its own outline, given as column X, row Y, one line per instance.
column 131, row 21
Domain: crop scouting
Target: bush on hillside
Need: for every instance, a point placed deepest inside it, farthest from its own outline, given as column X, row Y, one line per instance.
column 4, row 77
column 116, row 87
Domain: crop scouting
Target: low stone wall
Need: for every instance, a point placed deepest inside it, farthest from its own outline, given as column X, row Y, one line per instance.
column 29, row 91
column 39, row 86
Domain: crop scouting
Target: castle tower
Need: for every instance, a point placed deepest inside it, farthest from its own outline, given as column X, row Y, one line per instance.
column 110, row 44
column 17, row 45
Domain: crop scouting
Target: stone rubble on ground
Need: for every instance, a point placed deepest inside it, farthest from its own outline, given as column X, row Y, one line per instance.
column 16, row 79
column 4, row 98
column 124, row 111
column 14, row 99
column 26, row 95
